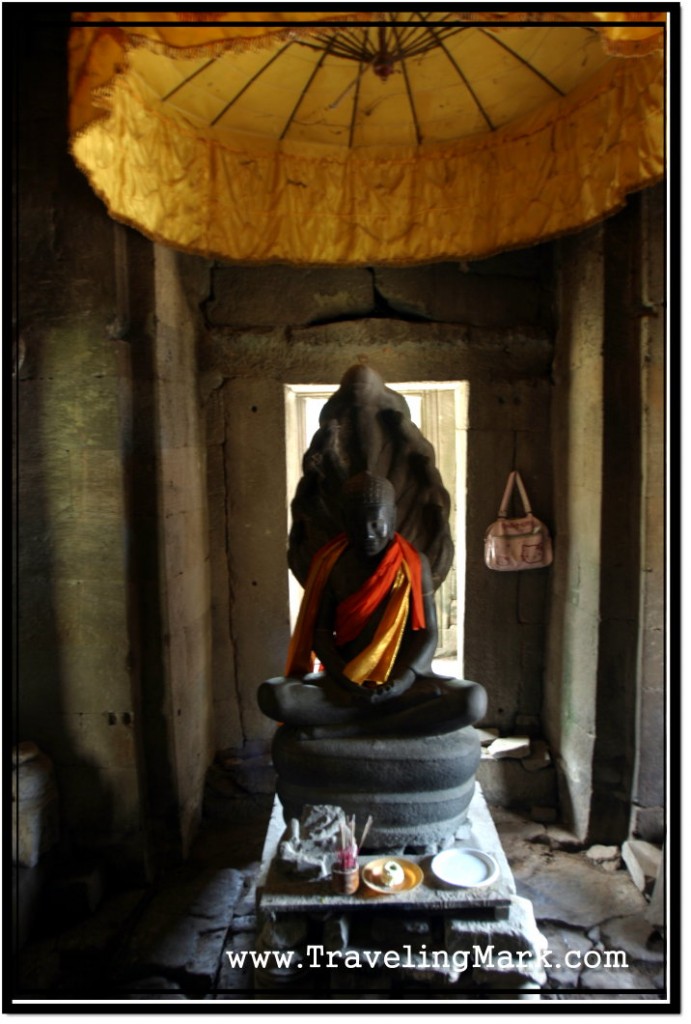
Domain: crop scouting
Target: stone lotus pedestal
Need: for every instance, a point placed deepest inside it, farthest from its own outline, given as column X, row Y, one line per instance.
column 417, row 789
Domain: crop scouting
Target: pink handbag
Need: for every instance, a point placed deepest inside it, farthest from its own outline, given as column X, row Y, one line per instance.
column 514, row 544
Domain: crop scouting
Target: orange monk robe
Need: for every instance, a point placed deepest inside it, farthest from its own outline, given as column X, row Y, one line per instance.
column 397, row 580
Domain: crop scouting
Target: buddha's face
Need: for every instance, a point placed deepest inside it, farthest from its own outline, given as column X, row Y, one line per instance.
column 371, row 528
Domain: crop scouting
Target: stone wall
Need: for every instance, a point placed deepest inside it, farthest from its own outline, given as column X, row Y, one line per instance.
column 570, row 684
column 488, row 323
column 76, row 693
column 648, row 797
column 604, row 704
column 113, row 621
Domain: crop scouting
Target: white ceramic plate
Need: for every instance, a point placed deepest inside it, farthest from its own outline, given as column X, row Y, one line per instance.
column 470, row 869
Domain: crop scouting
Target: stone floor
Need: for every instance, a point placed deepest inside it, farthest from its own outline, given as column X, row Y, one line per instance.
column 168, row 942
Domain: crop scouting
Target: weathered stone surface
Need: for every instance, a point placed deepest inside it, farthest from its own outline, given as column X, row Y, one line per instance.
column 643, row 862
column 396, row 347
column 184, row 928
column 567, row 946
column 235, row 980
column 632, row 934
column 515, row 934
column 445, row 292
column 268, row 296
column 567, row 887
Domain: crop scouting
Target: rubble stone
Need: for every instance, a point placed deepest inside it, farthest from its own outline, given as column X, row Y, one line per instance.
column 510, row 746
column 604, row 855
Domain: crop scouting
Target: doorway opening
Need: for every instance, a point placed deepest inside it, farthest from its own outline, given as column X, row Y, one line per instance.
column 440, row 410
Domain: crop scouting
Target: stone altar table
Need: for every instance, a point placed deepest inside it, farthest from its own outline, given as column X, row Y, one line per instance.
column 448, row 939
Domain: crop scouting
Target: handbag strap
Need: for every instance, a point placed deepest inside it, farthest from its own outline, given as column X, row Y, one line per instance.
column 514, row 478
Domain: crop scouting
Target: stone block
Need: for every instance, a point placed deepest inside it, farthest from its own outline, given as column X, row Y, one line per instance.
column 643, row 862
column 268, row 296
column 510, row 746
column 517, row 933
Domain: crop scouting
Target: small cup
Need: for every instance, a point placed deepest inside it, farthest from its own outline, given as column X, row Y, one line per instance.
column 345, row 881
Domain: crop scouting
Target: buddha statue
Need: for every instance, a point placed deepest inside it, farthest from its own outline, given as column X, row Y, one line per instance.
column 365, row 722
column 368, row 615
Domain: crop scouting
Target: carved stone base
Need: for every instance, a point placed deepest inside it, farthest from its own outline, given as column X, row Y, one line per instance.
column 417, row 789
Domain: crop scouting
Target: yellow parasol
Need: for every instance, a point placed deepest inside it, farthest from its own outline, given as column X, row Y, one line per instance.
column 359, row 138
